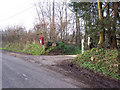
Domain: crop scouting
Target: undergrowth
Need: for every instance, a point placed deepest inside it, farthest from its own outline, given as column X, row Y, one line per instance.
column 100, row 60
column 66, row 49
column 36, row 49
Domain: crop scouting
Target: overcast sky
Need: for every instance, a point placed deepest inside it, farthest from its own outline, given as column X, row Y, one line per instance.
column 17, row 12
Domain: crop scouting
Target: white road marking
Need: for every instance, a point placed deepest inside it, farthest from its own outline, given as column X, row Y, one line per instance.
column 24, row 75
column 26, row 78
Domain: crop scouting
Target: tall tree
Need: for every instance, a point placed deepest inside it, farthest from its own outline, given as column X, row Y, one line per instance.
column 66, row 18
column 113, row 40
column 76, row 11
column 52, row 32
column 101, row 42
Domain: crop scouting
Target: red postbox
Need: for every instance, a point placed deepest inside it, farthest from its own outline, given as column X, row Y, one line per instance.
column 41, row 40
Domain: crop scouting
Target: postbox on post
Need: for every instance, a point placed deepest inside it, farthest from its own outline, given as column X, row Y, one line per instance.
column 41, row 40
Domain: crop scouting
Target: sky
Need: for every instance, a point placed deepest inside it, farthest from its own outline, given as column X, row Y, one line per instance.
column 17, row 12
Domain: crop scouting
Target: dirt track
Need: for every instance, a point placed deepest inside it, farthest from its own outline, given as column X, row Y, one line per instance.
column 87, row 76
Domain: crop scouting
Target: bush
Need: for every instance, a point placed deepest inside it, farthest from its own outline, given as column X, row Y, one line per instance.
column 68, row 49
column 65, row 49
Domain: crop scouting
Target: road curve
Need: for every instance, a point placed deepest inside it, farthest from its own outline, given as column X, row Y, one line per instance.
column 17, row 73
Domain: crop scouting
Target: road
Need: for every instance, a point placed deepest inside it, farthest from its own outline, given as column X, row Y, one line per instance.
column 17, row 73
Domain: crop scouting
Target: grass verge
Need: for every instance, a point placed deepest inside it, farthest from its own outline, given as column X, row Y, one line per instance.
column 34, row 49
column 100, row 60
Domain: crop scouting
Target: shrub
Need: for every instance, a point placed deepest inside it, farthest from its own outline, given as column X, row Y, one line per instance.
column 66, row 49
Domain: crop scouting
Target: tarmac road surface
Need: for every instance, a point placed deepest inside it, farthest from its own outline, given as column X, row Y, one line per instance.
column 17, row 73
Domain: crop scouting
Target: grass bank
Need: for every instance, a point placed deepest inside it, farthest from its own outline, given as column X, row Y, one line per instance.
column 100, row 61
column 36, row 49
column 65, row 49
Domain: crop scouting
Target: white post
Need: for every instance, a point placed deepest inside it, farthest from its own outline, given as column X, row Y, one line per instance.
column 88, row 41
column 82, row 45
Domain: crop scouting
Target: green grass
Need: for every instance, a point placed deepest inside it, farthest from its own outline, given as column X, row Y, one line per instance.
column 13, row 50
column 34, row 49
column 100, row 60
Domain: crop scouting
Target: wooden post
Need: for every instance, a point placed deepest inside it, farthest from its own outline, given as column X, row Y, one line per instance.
column 44, row 46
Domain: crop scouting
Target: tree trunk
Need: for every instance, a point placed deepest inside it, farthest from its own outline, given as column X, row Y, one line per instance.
column 109, row 28
column 101, row 43
column 113, row 40
column 52, row 32
column 61, row 25
column 66, row 19
column 77, row 30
